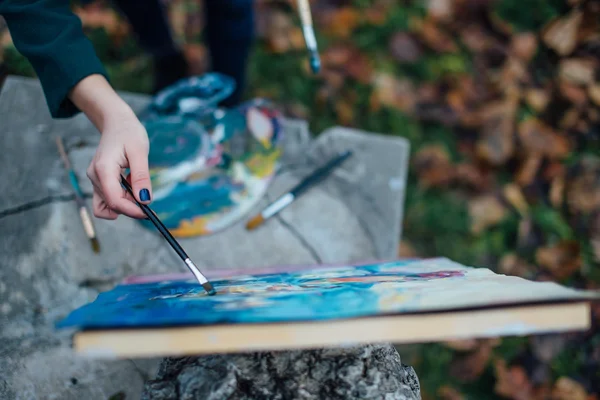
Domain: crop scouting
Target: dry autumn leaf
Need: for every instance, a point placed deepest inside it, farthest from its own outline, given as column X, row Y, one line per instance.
column 514, row 195
column 440, row 10
column 594, row 93
column 512, row 382
column 432, row 166
column 511, row 264
column 392, row 92
column 338, row 22
column 561, row 34
column 406, row 250
column 449, row 393
column 539, row 138
column 567, row 389
column 435, row 38
column 583, row 186
column 562, row 259
column 486, row 211
column 524, row 46
column 580, row 71
column 469, row 367
column 537, row 99
column 496, row 143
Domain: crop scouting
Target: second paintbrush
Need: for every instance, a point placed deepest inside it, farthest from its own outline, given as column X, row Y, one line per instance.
column 308, row 182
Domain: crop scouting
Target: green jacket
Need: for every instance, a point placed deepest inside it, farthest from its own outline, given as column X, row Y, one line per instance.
column 51, row 37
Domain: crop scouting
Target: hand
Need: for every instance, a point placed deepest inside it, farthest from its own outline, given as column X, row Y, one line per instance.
column 124, row 144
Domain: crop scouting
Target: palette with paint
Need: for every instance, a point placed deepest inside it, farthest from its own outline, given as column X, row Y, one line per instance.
column 283, row 308
column 209, row 166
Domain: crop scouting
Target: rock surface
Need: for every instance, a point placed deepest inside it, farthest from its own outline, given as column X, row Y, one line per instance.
column 47, row 267
column 364, row 372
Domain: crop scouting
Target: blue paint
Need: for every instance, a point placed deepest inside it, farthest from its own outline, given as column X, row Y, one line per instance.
column 321, row 294
column 315, row 62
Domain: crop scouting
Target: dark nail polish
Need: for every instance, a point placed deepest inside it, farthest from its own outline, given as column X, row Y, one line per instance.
column 144, row 195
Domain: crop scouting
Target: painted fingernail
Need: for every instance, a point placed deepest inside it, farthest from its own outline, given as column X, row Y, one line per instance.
column 144, row 195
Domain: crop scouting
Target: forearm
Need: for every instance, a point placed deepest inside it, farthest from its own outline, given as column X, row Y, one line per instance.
column 95, row 97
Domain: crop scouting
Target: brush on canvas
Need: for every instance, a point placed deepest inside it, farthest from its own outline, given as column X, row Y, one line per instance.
column 88, row 226
column 308, row 182
column 174, row 244
column 309, row 35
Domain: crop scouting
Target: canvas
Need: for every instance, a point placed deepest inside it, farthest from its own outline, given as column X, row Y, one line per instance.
column 313, row 294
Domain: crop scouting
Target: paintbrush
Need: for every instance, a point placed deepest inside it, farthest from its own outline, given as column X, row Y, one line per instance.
column 309, row 35
column 174, row 244
column 88, row 226
column 287, row 199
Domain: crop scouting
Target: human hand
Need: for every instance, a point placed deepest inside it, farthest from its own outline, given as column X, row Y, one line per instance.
column 124, row 144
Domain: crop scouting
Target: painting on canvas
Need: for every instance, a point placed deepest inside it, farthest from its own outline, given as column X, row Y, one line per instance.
column 312, row 294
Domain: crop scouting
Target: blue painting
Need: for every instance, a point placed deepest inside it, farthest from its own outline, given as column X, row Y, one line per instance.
column 310, row 294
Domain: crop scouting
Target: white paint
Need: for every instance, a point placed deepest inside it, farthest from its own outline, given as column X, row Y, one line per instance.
column 278, row 205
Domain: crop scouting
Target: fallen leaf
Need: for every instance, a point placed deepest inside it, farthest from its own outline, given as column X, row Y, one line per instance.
column 449, row 393
column 539, row 138
column 485, row 211
column 339, row 22
column 561, row 34
column 475, row 38
column 562, row 259
column 524, row 46
column 469, row 367
column 395, row 93
column 440, row 10
column 345, row 111
column 511, row 264
column 496, row 143
column 574, row 93
column 567, row 389
column 432, row 166
column 528, row 170
column 537, row 99
column 406, row 250
column 583, row 186
column 579, row 71
column 594, row 93
column 570, row 118
column 435, row 38
column 513, row 194
column 512, row 382
column 404, row 48
column 469, row 175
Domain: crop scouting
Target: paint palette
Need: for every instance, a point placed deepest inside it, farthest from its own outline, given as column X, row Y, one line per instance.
column 209, row 166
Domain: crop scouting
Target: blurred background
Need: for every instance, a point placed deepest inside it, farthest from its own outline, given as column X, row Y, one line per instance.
column 501, row 103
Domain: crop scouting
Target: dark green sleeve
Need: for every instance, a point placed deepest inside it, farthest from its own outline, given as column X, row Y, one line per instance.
column 51, row 37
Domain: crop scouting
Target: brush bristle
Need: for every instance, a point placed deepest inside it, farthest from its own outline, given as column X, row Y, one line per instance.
column 95, row 245
column 315, row 62
column 209, row 288
column 255, row 222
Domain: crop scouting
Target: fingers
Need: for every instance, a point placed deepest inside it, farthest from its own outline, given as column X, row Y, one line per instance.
column 139, row 173
column 100, row 208
column 112, row 198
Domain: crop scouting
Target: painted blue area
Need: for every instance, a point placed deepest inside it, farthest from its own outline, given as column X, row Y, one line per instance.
column 333, row 293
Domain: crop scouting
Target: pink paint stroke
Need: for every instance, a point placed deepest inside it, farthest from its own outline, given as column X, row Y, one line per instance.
column 229, row 273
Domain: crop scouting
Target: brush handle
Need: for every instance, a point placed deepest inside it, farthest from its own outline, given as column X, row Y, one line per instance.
column 159, row 225
column 319, row 174
column 305, row 15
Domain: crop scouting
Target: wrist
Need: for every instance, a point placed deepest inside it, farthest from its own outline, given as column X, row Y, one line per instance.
column 95, row 97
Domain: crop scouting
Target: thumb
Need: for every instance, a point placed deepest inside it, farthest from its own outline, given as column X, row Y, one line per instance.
column 140, row 174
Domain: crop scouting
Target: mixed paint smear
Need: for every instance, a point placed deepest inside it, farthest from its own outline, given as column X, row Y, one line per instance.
column 208, row 166
column 312, row 294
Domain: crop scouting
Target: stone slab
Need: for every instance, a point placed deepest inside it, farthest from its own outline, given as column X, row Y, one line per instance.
column 47, row 267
